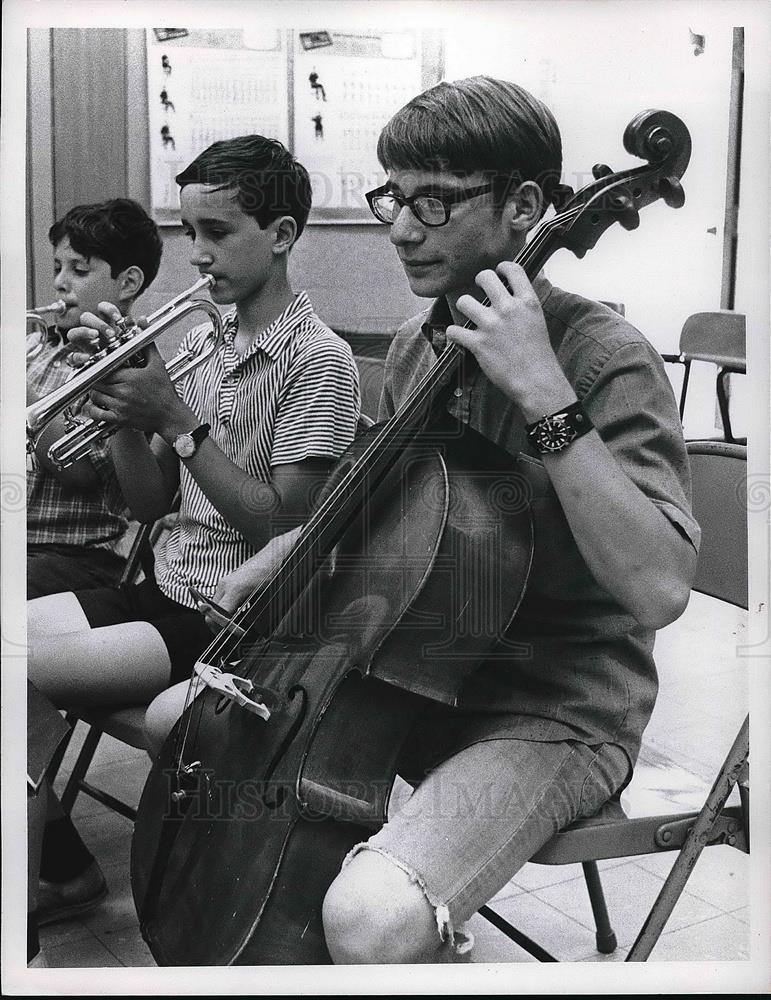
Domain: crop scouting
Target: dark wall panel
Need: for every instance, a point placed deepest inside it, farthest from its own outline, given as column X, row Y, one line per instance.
column 89, row 116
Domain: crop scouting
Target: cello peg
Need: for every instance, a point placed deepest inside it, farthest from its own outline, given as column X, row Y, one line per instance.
column 561, row 195
column 672, row 192
column 630, row 219
column 600, row 170
column 623, row 204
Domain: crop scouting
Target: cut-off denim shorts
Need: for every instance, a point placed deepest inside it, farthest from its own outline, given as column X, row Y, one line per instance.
column 479, row 816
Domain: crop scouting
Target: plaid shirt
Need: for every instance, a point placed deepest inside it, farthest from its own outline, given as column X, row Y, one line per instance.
column 56, row 516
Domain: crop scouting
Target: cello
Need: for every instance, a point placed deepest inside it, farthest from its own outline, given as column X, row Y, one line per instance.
column 404, row 580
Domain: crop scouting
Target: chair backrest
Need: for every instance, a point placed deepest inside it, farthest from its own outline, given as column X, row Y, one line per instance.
column 141, row 556
column 370, row 383
column 719, row 337
column 719, row 476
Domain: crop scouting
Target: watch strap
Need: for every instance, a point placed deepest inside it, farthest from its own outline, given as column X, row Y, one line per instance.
column 557, row 430
column 200, row 433
column 182, row 441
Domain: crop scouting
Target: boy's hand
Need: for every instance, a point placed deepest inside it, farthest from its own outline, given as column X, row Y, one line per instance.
column 95, row 332
column 511, row 342
column 233, row 589
column 140, row 397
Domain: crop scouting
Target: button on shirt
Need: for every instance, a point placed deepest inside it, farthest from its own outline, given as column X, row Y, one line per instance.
column 57, row 516
column 293, row 395
column 590, row 674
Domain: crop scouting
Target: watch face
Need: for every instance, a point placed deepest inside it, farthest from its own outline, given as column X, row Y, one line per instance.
column 554, row 433
column 184, row 445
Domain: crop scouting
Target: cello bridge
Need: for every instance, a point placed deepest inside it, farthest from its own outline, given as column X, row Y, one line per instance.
column 232, row 687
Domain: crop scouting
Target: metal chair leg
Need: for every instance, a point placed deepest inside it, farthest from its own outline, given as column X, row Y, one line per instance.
column 82, row 765
column 722, row 402
column 731, row 771
column 605, row 935
column 515, row 935
column 684, row 387
column 58, row 757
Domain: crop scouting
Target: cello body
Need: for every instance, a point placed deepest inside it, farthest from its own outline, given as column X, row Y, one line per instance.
column 402, row 583
column 274, row 806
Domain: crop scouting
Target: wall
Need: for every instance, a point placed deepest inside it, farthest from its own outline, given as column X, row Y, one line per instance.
column 88, row 112
column 596, row 65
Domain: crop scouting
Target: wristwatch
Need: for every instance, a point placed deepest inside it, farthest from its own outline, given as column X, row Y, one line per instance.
column 555, row 432
column 186, row 445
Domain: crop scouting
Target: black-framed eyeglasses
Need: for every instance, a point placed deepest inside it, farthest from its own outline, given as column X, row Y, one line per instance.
column 430, row 209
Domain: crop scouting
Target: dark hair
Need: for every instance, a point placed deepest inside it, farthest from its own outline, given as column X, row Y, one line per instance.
column 118, row 231
column 477, row 125
column 267, row 179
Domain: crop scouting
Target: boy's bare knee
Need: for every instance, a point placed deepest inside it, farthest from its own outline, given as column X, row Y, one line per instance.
column 375, row 913
column 162, row 713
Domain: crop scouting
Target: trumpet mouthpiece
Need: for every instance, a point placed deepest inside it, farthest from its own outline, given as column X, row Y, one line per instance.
column 57, row 307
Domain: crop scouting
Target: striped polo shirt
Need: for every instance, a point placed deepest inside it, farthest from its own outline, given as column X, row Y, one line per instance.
column 293, row 395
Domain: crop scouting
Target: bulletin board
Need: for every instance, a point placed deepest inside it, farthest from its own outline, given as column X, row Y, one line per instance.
column 208, row 85
column 325, row 94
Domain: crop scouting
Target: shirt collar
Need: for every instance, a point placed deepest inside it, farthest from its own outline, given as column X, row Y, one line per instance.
column 274, row 337
column 55, row 337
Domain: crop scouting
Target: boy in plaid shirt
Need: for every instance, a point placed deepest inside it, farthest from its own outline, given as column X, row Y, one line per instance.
column 109, row 252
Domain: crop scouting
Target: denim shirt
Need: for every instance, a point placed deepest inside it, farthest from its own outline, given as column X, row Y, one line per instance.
column 590, row 673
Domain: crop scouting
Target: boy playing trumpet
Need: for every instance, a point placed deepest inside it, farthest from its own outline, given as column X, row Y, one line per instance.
column 108, row 252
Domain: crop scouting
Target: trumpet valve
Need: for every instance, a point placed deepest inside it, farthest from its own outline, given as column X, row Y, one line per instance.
column 124, row 329
column 114, row 338
column 71, row 419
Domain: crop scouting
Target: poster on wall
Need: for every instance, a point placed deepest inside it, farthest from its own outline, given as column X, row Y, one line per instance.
column 325, row 94
column 207, row 85
column 346, row 87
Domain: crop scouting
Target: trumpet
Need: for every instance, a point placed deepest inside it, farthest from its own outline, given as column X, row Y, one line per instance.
column 129, row 341
column 35, row 319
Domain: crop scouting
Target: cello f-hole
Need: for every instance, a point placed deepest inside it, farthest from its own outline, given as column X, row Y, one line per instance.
column 293, row 692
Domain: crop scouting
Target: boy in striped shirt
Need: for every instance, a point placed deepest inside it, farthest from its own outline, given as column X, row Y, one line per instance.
column 248, row 436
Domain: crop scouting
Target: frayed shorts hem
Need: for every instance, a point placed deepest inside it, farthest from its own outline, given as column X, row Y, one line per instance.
column 459, row 939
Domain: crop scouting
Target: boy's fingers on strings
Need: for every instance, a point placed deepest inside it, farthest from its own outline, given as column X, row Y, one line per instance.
column 494, row 288
column 514, row 278
column 471, row 308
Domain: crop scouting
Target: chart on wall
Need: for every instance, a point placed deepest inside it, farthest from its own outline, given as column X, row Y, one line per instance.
column 325, row 94
column 208, row 85
column 346, row 87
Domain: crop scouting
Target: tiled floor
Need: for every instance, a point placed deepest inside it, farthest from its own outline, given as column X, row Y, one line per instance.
column 702, row 702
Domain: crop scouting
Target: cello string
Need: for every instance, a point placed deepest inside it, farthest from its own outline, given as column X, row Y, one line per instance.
column 444, row 367
column 284, row 579
column 395, row 427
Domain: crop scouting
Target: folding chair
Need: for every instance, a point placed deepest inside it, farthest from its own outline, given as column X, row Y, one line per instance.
column 719, row 490
column 123, row 724
column 718, row 338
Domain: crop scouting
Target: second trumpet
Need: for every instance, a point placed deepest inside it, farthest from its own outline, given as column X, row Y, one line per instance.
column 76, row 443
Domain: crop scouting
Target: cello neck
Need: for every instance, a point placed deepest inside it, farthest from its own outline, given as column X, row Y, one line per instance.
column 661, row 139
column 322, row 531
